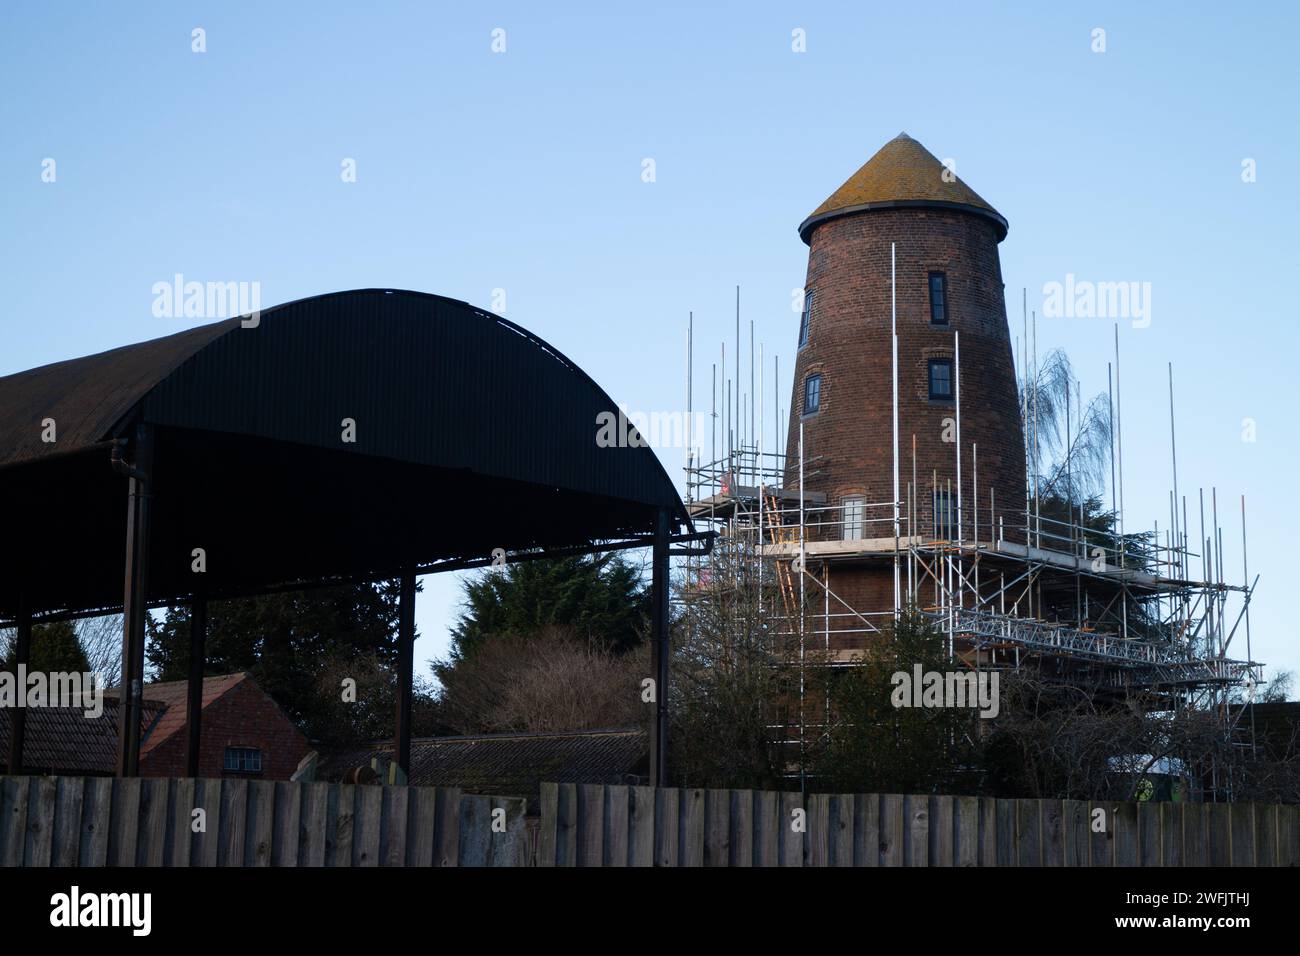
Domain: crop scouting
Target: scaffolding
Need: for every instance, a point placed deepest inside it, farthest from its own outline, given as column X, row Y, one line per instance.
column 1117, row 612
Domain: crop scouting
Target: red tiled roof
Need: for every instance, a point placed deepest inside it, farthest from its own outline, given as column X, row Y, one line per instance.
column 173, row 698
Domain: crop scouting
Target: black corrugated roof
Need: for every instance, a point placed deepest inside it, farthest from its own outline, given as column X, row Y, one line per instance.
column 471, row 434
column 87, row 397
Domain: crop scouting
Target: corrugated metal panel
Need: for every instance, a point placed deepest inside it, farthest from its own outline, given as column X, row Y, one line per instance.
column 87, row 396
column 428, row 380
column 471, row 434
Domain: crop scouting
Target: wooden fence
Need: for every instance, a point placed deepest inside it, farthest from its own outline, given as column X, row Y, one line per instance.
column 593, row 825
column 101, row 821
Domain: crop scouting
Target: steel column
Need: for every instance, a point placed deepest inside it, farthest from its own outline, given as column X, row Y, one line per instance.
column 135, row 594
column 660, row 650
column 18, row 715
column 194, row 702
column 405, row 670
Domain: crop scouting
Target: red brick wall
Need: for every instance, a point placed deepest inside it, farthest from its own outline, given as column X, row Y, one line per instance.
column 849, row 343
column 242, row 717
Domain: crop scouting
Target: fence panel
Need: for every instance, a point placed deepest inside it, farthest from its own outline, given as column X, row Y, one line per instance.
column 67, row 820
column 40, row 821
column 866, row 829
column 966, row 831
column 741, row 833
column 941, row 831
column 1074, row 824
column 99, row 821
column 151, row 843
column 616, row 834
column 641, row 826
column 891, row 829
column 840, row 839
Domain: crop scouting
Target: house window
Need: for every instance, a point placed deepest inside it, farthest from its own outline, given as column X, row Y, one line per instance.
column 945, row 516
column 805, row 320
column 243, row 760
column 853, row 508
column 812, row 394
column 941, row 380
column 938, row 298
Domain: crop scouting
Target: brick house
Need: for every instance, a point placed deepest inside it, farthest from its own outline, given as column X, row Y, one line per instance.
column 244, row 732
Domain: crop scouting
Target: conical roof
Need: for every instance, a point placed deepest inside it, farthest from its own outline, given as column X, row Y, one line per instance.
column 902, row 173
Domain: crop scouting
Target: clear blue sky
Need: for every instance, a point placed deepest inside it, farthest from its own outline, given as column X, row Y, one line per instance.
column 522, row 171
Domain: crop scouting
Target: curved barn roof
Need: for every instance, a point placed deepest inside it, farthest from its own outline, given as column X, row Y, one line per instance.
column 470, row 434
column 902, row 173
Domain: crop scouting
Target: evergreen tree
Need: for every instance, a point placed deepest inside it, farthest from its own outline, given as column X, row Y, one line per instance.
column 599, row 599
column 876, row 747
column 54, row 648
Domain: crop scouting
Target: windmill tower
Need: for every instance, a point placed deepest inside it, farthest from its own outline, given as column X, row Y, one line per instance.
column 960, row 449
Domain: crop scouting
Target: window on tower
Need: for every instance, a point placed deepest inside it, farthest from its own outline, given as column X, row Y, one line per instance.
column 941, row 380
column 853, row 508
column 812, row 394
column 805, row 320
column 945, row 516
column 938, row 298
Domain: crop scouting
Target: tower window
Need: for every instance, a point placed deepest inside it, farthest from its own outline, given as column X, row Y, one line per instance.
column 945, row 516
column 941, row 380
column 812, row 394
column 805, row 320
column 853, row 508
column 938, row 298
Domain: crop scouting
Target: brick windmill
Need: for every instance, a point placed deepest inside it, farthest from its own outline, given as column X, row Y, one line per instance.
column 903, row 256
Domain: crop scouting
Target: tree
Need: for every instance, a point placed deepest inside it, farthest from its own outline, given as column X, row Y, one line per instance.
column 101, row 638
column 54, row 649
column 877, row 746
column 1076, row 742
column 347, row 716
column 1278, row 689
column 1072, row 441
column 742, row 702
column 299, row 647
column 598, row 599
column 548, row 681
column 550, row 644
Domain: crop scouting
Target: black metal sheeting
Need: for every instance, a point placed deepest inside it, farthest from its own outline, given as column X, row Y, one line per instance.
column 357, row 435
column 471, row 435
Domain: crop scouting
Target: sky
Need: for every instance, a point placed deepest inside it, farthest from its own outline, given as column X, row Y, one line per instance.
column 500, row 155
